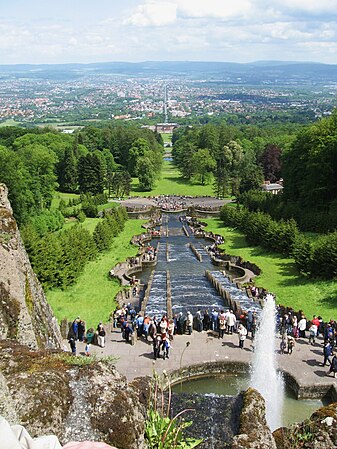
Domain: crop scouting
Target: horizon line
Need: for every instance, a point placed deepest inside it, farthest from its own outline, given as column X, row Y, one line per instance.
column 261, row 61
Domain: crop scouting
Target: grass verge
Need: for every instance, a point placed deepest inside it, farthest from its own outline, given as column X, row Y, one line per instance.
column 92, row 297
column 280, row 276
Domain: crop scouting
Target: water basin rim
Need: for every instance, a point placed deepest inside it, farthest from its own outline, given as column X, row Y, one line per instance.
column 301, row 391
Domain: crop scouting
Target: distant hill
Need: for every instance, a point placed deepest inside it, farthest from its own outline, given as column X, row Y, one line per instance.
column 259, row 72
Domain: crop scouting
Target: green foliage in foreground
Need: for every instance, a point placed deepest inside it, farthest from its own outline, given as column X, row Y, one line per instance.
column 280, row 275
column 92, row 297
column 161, row 431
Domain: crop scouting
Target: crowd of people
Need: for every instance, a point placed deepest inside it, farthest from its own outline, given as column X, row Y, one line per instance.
column 77, row 332
column 293, row 326
column 170, row 202
column 160, row 330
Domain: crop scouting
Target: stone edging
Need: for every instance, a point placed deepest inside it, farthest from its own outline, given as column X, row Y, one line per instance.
column 318, row 391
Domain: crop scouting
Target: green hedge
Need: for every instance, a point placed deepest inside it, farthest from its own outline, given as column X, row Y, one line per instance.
column 317, row 259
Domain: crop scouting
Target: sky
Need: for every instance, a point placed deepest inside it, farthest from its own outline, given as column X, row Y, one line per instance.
column 64, row 31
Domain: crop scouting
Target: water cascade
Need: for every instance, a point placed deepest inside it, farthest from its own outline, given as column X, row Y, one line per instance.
column 265, row 377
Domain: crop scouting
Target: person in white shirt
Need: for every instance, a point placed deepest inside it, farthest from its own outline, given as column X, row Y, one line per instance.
column 242, row 335
column 231, row 320
column 302, row 326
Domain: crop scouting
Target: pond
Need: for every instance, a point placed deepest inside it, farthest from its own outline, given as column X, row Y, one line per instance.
column 217, row 407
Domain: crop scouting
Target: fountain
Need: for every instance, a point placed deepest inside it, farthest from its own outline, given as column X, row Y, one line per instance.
column 265, row 377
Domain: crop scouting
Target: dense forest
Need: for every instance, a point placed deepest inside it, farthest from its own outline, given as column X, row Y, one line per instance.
column 100, row 162
column 235, row 159
column 36, row 164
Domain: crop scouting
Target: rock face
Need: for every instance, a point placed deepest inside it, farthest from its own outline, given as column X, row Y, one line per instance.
column 318, row 432
column 48, row 393
column 254, row 432
column 25, row 315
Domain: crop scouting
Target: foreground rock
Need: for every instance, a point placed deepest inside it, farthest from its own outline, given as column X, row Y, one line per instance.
column 254, row 432
column 318, row 432
column 47, row 394
column 25, row 315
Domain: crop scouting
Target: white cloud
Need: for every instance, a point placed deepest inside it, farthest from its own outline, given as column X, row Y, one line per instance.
column 221, row 9
column 237, row 30
column 153, row 13
column 310, row 6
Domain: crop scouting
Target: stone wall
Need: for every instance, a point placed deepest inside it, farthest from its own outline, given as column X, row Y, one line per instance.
column 25, row 315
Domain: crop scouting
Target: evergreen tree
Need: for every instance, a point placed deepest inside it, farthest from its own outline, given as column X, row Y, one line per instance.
column 69, row 175
column 91, row 174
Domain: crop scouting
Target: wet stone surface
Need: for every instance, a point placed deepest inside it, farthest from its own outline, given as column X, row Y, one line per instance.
column 215, row 419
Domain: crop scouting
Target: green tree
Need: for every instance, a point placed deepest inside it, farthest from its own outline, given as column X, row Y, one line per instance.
column 146, row 173
column 90, row 174
column 69, row 174
column 203, row 165
column 14, row 174
column 40, row 163
column 138, row 149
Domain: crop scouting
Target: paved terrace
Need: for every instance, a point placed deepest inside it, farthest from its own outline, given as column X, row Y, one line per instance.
column 303, row 364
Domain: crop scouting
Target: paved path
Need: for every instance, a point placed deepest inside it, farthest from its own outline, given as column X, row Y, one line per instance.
column 137, row 360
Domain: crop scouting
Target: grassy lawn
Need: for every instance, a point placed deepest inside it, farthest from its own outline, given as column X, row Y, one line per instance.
column 10, row 122
column 166, row 137
column 89, row 224
column 280, row 276
column 62, row 196
column 92, row 297
column 171, row 183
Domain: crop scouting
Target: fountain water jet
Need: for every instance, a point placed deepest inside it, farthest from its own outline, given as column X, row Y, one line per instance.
column 264, row 376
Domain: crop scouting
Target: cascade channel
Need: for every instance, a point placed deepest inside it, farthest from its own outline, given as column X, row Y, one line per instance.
column 216, row 400
column 191, row 290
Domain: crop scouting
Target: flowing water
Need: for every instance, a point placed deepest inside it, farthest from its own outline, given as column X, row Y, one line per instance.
column 219, row 392
column 265, row 378
column 190, row 289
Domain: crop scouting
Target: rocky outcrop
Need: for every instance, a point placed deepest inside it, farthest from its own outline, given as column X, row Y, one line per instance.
column 50, row 392
column 318, row 432
column 254, row 432
column 117, row 411
column 25, row 315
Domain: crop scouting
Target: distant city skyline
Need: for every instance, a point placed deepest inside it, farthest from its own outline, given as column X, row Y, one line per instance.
column 84, row 31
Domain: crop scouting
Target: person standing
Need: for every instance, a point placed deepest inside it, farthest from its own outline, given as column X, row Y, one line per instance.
column 166, row 347
column 327, row 352
column 206, row 321
column 231, row 320
column 180, row 323
column 312, row 333
column 222, row 323
column 242, row 335
column 101, row 335
column 127, row 332
column 333, row 367
column 253, row 325
column 74, row 327
column 199, row 318
column 170, row 329
column 290, row 343
column 157, row 342
column 302, row 326
column 189, row 323
column 214, row 320
column 72, row 343
column 81, row 330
